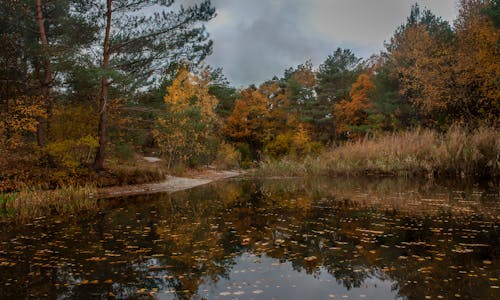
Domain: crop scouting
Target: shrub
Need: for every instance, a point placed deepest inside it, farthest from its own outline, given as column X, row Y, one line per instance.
column 228, row 157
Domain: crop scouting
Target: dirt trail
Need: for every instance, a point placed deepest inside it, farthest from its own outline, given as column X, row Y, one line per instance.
column 170, row 184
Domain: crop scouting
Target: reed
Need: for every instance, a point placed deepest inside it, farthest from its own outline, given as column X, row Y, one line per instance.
column 28, row 204
column 458, row 152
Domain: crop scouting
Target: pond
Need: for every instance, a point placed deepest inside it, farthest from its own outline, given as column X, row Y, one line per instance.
column 318, row 238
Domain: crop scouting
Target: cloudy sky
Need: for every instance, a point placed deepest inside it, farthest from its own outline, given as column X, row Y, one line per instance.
column 257, row 39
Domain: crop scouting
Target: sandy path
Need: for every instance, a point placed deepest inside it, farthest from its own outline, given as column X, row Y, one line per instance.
column 170, row 185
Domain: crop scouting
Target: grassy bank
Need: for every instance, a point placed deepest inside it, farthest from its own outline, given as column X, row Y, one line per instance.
column 37, row 192
column 457, row 152
column 22, row 171
column 30, row 204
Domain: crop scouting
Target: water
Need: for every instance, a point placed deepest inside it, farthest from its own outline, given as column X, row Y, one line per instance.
column 266, row 239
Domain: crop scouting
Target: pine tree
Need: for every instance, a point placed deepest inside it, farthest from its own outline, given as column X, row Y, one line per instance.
column 138, row 44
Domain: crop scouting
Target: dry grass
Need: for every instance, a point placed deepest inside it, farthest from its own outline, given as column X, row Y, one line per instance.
column 29, row 204
column 136, row 171
column 456, row 153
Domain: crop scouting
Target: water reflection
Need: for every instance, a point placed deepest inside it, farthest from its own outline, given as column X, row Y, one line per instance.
column 288, row 239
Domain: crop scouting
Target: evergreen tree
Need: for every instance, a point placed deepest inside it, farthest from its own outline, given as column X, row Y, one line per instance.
column 335, row 78
column 138, row 44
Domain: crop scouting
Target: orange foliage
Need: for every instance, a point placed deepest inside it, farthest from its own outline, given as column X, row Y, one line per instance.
column 248, row 122
column 478, row 60
column 425, row 70
column 353, row 113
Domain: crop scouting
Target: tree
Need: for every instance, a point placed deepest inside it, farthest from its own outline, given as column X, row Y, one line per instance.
column 335, row 77
column 493, row 11
column 40, row 38
column 248, row 122
column 224, row 92
column 47, row 77
column 390, row 111
column 421, row 55
column 477, row 68
column 300, row 84
column 138, row 45
column 351, row 114
column 188, row 128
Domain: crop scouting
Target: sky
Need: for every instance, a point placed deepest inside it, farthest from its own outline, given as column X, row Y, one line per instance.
column 255, row 40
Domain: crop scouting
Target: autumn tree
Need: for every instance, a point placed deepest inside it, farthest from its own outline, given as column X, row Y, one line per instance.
column 186, row 132
column 351, row 114
column 422, row 57
column 248, row 122
column 477, row 69
column 300, row 82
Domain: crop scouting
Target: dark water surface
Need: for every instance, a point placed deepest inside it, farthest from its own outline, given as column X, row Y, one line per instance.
column 266, row 239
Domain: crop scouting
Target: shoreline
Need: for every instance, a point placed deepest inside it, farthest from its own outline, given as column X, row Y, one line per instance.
column 170, row 185
column 28, row 205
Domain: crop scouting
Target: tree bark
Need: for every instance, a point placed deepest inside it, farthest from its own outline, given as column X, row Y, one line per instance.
column 46, row 89
column 101, row 149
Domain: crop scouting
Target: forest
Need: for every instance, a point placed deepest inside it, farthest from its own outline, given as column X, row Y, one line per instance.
column 89, row 88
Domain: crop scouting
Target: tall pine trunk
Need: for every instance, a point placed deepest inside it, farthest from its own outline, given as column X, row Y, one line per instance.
column 46, row 90
column 101, row 149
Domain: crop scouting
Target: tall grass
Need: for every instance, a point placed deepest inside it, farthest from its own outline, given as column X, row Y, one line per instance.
column 458, row 152
column 29, row 204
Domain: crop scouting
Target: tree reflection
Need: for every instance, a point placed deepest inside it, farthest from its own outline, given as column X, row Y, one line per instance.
column 163, row 243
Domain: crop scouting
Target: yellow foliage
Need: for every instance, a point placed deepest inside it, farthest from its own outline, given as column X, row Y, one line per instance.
column 228, row 157
column 188, row 91
column 20, row 120
column 281, row 145
column 72, row 123
column 301, row 140
column 293, row 142
column 72, row 153
column 188, row 128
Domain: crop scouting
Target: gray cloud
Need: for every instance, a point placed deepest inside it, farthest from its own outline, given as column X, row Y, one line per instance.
column 255, row 40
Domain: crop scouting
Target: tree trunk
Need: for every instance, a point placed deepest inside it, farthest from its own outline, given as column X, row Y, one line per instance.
column 46, row 90
column 100, row 153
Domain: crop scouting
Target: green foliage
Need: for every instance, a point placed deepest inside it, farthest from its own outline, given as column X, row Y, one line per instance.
column 335, row 77
column 124, row 152
column 247, row 159
column 493, row 11
column 389, row 110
